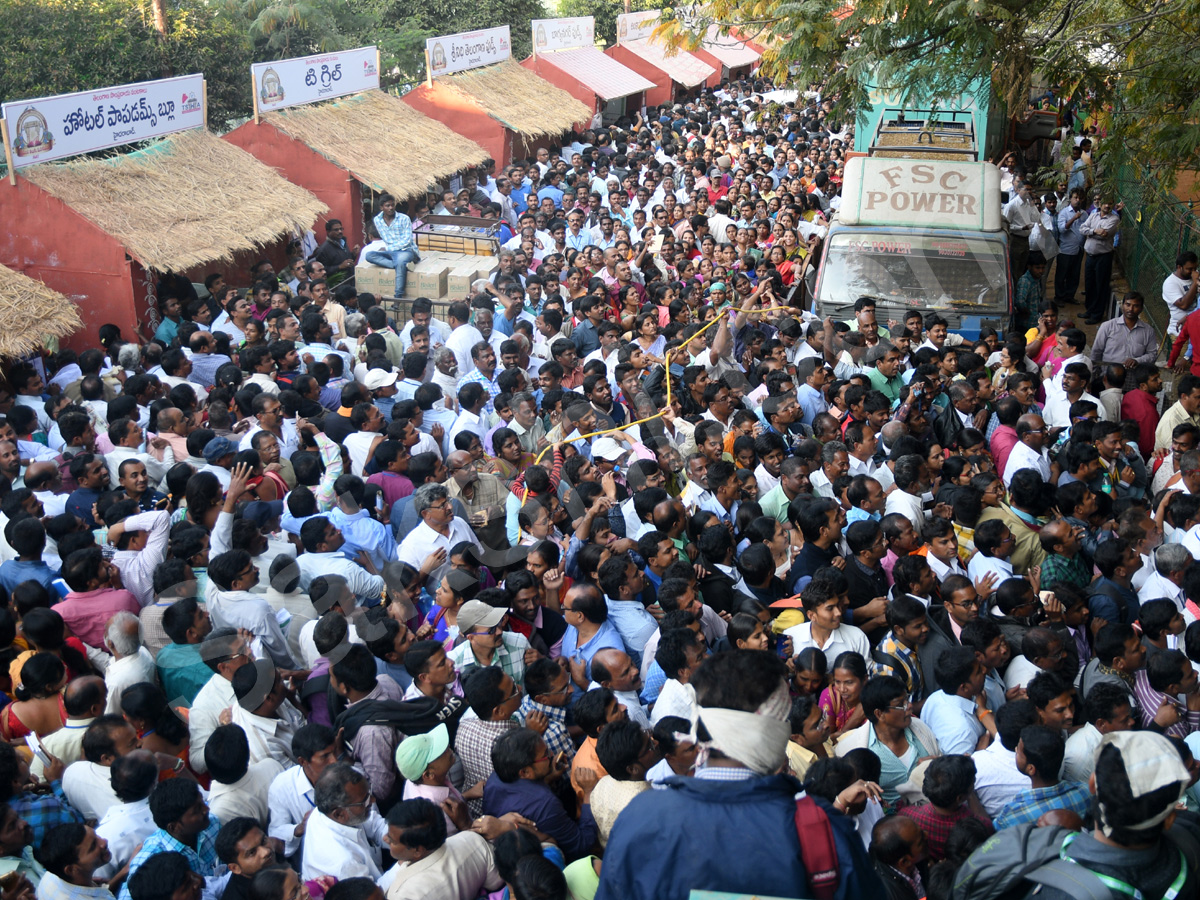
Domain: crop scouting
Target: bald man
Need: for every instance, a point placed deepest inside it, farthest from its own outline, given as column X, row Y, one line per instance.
column 898, row 847
column 45, row 480
column 482, row 494
column 84, row 699
column 1029, row 452
column 613, row 669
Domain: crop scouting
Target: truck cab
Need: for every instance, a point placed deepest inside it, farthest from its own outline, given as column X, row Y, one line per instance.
column 918, row 234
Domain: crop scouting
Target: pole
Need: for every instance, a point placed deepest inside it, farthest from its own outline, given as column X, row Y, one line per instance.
column 254, row 95
column 379, row 66
column 8, row 157
column 204, row 100
column 428, row 69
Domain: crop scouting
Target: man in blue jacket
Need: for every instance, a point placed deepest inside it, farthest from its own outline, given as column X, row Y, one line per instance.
column 736, row 805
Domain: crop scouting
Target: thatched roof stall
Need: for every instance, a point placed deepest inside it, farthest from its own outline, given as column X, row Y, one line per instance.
column 189, row 200
column 335, row 147
column 31, row 312
column 502, row 107
column 381, row 141
column 96, row 230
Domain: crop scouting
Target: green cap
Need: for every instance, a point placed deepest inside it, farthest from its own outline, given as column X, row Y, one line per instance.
column 415, row 753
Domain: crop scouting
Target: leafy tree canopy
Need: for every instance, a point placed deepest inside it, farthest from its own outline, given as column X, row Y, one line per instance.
column 1134, row 67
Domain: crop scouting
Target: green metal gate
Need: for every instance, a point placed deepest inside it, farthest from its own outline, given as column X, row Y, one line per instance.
column 1156, row 228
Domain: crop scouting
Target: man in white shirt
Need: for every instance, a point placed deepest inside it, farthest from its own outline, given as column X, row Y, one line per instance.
column 1107, row 709
column 132, row 663
column 992, row 554
column 1029, row 452
column 83, row 700
column 679, row 654
column 824, row 628
column 1170, row 565
column 463, row 336
column 911, row 476
column 233, row 604
column 87, row 783
column 142, row 550
column 1021, row 214
column 126, row 824
column 337, row 836
column 1179, row 290
column 429, row 864
column 224, row 651
column 239, row 787
column 997, row 780
column 439, row 531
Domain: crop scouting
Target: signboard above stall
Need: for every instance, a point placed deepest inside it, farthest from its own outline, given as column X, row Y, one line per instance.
column 308, row 79
column 467, row 50
column 86, row 121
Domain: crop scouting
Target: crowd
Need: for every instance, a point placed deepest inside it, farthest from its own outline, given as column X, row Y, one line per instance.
column 630, row 577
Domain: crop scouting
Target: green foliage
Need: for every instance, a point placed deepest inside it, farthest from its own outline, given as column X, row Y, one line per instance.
column 408, row 22
column 285, row 28
column 1135, row 66
column 605, row 12
column 61, row 46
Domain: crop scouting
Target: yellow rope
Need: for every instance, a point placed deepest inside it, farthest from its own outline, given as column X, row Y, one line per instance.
column 658, row 415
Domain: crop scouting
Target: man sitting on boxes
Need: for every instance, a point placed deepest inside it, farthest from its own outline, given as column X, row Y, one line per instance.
column 395, row 230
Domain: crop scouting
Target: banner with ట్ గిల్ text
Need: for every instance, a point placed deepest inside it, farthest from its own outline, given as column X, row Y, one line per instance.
column 309, row 79
column 71, row 124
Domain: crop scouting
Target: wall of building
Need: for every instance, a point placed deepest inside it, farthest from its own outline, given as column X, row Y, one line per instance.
column 664, row 88
column 301, row 165
column 47, row 240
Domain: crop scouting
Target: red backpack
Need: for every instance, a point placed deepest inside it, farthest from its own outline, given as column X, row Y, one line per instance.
column 817, row 848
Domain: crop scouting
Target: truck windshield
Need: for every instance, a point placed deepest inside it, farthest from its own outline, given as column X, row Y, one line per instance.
column 959, row 275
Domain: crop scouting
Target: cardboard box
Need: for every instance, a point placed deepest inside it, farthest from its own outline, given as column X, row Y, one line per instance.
column 459, row 278
column 431, row 277
column 375, row 279
column 382, row 281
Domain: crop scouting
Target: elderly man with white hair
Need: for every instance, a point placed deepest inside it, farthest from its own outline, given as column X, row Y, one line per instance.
column 1170, row 563
column 132, row 663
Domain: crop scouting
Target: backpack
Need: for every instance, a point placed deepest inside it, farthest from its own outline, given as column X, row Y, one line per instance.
column 409, row 717
column 1013, row 862
column 817, row 848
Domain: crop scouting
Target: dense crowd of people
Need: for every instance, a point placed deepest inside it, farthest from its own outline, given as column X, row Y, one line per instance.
column 628, row 578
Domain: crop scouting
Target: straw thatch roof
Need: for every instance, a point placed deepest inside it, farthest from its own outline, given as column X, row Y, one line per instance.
column 188, row 200
column 520, row 100
column 31, row 312
column 381, row 141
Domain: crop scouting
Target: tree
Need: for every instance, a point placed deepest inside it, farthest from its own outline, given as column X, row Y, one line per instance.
column 605, row 13
column 1135, row 68
column 284, row 28
column 61, row 46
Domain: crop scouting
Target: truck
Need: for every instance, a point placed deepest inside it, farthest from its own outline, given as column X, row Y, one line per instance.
column 918, row 233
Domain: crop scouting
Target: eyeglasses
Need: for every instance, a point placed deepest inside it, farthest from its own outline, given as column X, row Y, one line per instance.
column 905, row 708
column 365, row 803
column 495, row 629
column 444, row 505
column 968, row 604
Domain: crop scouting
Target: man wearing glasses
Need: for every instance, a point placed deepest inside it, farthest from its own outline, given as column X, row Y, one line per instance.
column 438, row 532
column 345, row 831
column 1029, row 451
column 487, row 643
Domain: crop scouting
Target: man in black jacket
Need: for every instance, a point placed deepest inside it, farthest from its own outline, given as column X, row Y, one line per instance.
column 898, row 849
